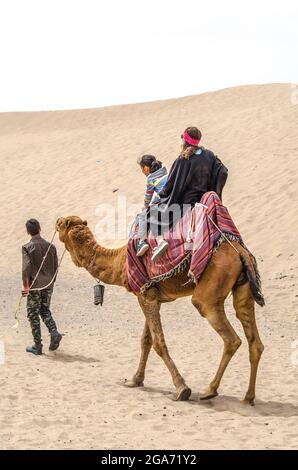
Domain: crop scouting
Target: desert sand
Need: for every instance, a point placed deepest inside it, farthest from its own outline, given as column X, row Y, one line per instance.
column 75, row 397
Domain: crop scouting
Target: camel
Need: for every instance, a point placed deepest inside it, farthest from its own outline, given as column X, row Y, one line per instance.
column 227, row 271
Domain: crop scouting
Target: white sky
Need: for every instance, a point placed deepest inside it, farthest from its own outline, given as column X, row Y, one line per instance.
column 60, row 54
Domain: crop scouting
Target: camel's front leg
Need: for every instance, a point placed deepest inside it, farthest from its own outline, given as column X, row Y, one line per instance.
column 151, row 306
column 146, row 344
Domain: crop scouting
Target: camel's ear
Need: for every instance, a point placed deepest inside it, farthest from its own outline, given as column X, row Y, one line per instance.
column 85, row 222
column 67, row 223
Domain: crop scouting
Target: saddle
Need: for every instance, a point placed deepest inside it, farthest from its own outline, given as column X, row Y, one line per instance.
column 192, row 241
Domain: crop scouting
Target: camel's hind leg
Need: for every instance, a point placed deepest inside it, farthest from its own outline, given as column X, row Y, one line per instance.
column 244, row 305
column 151, row 306
column 146, row 344
column 215, row 314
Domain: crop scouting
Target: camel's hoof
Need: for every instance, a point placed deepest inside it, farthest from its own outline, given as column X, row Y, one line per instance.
column 248, row 402
column 208, row 395
column 133, row 384
column 183, row 395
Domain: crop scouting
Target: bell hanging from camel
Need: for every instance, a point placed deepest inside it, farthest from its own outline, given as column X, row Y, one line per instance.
column 99, row 294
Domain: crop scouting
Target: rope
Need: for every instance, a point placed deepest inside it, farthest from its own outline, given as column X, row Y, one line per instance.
column 226, row 238
column 53, row 278
column 17, row 313
column 43, row 260
column 215, row 225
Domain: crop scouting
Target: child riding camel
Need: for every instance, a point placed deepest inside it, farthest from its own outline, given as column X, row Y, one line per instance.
column 157, row 176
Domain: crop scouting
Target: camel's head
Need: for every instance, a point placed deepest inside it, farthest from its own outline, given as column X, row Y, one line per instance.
column 64, row 224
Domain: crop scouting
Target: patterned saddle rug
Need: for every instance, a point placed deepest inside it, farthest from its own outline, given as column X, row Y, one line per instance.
column 192, row 242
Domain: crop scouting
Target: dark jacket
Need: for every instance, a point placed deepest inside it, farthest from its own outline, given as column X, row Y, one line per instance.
column 188, row 180
column 32, row 256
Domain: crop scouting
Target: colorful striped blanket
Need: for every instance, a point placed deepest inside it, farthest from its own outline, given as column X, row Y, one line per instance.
column 191, row 243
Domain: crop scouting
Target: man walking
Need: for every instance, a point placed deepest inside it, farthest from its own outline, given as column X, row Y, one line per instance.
column 38, row 301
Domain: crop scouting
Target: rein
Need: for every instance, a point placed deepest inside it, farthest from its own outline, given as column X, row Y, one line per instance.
column 216, row 226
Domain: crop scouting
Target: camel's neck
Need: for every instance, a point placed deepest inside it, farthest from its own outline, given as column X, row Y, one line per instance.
column 109, row 266
column 106, row 265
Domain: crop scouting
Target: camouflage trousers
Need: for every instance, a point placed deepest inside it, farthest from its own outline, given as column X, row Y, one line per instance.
column 38, row 305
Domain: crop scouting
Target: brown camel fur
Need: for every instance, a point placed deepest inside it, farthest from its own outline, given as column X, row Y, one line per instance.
column 227, row 271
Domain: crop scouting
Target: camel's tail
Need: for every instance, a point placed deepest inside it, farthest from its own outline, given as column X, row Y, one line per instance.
column 250, row 268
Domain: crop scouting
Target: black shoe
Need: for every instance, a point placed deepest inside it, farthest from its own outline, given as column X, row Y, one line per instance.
column 56, row 337
column 35, row 349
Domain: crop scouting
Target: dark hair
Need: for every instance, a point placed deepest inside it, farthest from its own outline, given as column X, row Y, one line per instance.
column 194, row 132
column 33, row 227
column 188, row 150
column 151, row 162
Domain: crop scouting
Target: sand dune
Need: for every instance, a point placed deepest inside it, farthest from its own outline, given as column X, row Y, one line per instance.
column 74, row 398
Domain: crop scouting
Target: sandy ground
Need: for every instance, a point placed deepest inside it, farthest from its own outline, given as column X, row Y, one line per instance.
column 75, row 397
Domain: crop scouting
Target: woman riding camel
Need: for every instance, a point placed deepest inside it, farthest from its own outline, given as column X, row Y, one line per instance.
column 195, row 172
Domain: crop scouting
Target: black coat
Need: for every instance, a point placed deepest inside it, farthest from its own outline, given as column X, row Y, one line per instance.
column 32, row 255
column 188, row 180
